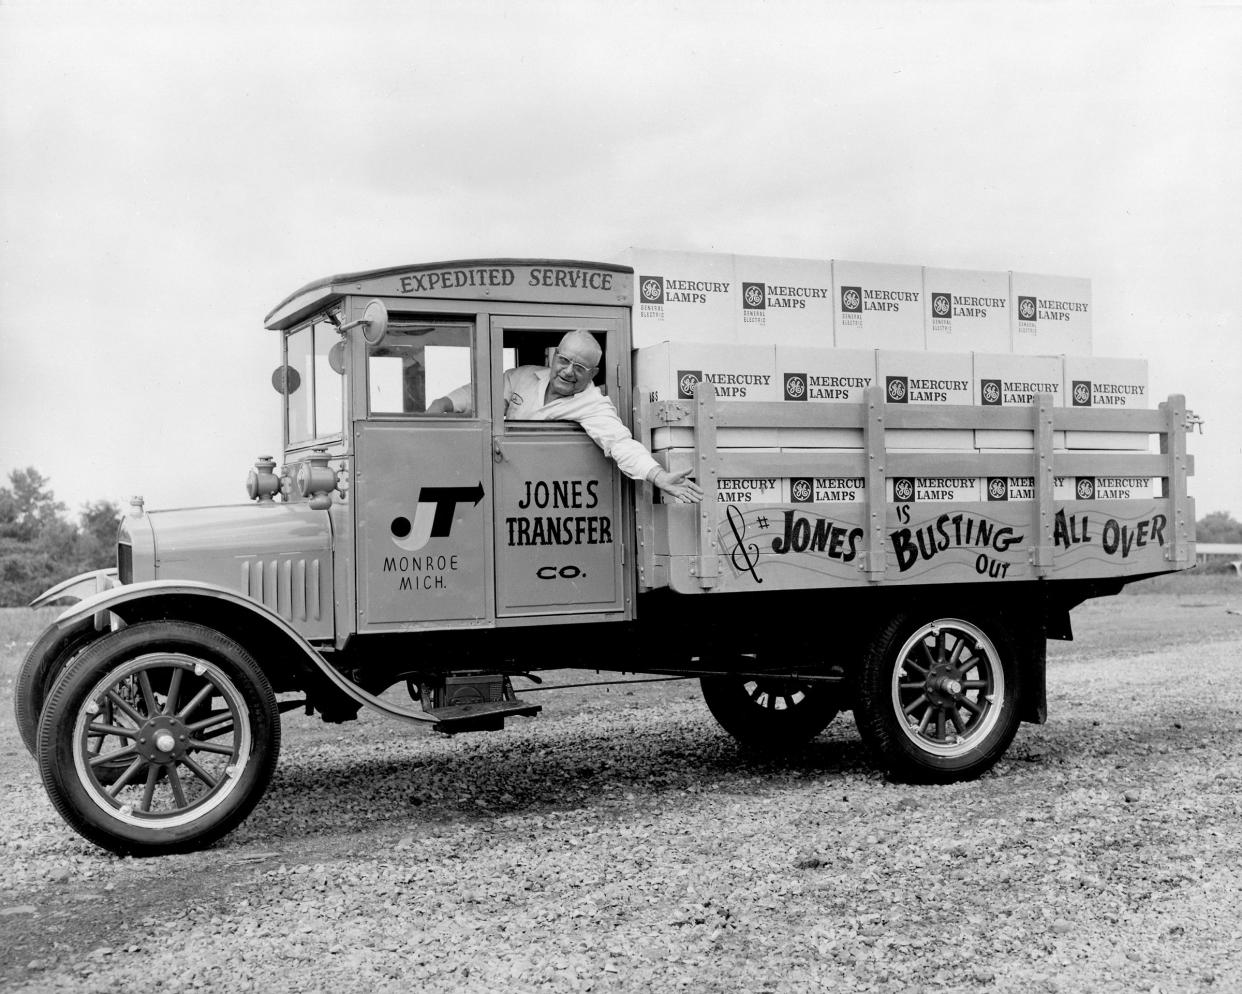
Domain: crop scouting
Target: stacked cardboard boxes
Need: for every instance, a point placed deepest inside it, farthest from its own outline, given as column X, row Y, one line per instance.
column 799, row 330
column 723, row 299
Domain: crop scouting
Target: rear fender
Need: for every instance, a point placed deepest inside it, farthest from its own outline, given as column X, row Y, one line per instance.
column 277, row 647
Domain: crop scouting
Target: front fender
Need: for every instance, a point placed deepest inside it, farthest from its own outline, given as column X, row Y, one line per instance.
column 78, row 587
column 193, row 600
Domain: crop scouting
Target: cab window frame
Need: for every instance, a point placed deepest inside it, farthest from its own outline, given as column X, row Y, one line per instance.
column 400, row 325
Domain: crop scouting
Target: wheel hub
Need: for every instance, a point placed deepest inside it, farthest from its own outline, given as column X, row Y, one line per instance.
column 943, row 686
column 162, row 739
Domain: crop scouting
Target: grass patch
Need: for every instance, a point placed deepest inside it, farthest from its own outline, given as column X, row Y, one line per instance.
column 19, row 626
column 1186, row 582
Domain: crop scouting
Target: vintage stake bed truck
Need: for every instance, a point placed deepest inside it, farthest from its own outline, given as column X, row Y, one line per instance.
column 453, row 554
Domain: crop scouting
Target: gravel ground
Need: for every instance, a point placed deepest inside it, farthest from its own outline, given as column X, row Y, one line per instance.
column 621, row 842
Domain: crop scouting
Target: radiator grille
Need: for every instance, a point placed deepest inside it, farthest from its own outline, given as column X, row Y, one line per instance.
column 125, row 562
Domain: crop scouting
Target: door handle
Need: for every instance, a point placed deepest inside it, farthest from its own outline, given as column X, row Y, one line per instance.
column 498, row 452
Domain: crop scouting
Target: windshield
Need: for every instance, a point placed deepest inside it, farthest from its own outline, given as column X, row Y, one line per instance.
column 314, row 400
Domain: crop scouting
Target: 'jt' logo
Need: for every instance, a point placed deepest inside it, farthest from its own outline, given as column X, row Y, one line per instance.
column 433, row 517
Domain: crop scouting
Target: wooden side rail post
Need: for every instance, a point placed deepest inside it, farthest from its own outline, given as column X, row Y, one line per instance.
column 707, row 470
column 877, row 501
column 1041, row 552
column 644, row 524
column 1173, row 445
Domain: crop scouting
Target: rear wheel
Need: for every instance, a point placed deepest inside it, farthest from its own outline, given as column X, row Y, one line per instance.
column 938, row 698
column 159, row 738
column 768, row 713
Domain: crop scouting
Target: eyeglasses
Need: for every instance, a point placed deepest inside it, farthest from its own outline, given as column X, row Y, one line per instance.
column 564, row 360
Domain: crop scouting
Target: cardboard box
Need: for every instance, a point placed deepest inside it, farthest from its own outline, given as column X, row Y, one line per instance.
column 926, row 489
column 1112, row 487
column 943, row 378
column 736, row 489
column 823, row 376
column 1013, row 381
column 671, row 370
column 786, row 301
column 750, row 490
column 1019, row 488
column 1109, row 384
column 877, row 306
column 1051, row 315
column 825, row 489
column 683, row 297
column 966, row 310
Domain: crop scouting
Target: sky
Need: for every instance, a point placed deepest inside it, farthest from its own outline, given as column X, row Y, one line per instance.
column 171, row 171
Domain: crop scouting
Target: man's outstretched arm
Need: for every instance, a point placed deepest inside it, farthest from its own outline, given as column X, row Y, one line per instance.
column 676, row 485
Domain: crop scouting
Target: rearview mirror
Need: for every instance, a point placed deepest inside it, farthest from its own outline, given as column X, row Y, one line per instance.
column 374, row 323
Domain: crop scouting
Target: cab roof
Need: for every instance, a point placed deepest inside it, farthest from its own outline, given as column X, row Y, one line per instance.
column 492, row 279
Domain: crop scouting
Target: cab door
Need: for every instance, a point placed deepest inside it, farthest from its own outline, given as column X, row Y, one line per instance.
column 421, row 480
column 560, row 526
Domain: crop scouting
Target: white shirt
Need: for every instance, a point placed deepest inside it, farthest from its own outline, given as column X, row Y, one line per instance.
column 524, row 390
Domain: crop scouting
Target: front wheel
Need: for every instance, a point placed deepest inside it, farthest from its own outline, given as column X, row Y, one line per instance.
column 938, row 698
column 50, row 653
column 187, row 717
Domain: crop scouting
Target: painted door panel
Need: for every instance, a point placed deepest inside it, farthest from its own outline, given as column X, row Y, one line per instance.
column 422, row 505
column 559, row 538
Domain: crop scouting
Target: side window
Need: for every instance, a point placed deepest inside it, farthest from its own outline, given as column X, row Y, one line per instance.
column 314, row 389
column 532, row 347
column 420, row 363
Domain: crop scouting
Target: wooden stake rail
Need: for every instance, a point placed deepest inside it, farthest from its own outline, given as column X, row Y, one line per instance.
column 873, row 417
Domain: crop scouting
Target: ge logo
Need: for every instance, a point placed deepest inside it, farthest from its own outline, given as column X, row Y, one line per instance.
column 569, row 572
column 652, row 289
column 1085, row 488
column 941, row 305
column 991, row 393
column 686, row 383
column 795, row 387
column 903, row 489
column 754, row 295
column 850, row 299
column 997, row 489
column 896, row 388
column 1026, row 308
column 1082, row 393
column 802, row 491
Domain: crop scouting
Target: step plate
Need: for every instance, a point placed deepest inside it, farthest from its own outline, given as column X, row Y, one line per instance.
column 480, row 717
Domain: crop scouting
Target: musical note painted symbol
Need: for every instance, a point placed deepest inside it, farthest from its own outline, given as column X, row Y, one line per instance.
column 745, row 557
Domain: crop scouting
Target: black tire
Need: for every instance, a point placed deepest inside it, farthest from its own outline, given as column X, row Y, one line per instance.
column 51, row 652
column 938, row 697
column 769, row 714
column 190, row 779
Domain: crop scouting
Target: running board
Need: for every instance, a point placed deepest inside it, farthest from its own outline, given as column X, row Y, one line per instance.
column 479, row 717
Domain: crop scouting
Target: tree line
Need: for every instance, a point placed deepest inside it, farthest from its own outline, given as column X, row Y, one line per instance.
column 39, row 546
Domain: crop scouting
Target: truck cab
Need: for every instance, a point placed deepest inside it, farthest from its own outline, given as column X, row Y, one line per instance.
column 462, row 520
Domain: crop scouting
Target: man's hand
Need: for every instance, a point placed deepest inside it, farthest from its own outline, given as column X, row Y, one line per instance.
column 678, row 487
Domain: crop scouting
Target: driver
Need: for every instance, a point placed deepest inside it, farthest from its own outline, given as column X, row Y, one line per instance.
column 564, row 391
